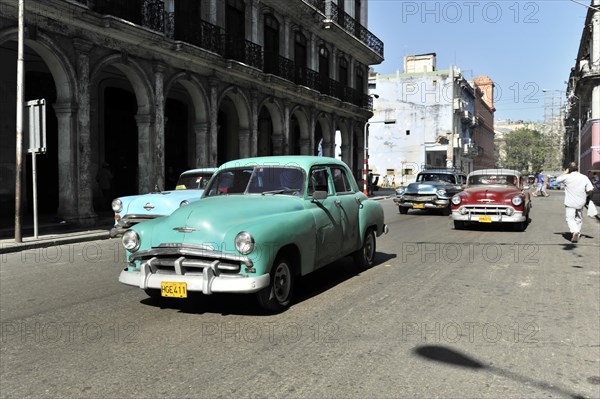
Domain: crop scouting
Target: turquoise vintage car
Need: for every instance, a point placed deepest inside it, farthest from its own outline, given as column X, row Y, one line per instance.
column 133, row 209
column 261, row 223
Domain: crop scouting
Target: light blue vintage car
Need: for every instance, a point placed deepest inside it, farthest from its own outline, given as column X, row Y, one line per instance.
column 261, row 223
column 137, row 208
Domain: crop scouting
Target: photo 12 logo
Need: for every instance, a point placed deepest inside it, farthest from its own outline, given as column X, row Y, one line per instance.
column 470, row 11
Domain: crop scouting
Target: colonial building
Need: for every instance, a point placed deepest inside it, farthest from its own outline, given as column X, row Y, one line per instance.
column 435, row 116
column 483, row 134
column 153, row 87
column 582, row 117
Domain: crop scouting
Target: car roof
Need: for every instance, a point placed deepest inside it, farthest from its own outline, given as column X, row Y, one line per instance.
column 199, row 170
column 303, row 161
column 495, row 172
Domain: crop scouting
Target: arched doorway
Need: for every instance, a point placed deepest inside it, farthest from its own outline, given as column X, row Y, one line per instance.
column 265, row 133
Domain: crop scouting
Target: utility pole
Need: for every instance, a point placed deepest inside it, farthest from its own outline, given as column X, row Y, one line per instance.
column 19, row 133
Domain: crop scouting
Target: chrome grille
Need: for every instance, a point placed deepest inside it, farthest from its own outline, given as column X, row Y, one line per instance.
column 421, row 198
column 486, row 210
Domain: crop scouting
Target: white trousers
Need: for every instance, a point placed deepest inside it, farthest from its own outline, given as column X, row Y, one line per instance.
column 574, row 219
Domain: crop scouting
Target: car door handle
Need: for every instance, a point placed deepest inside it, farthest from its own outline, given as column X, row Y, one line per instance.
column 338, row 202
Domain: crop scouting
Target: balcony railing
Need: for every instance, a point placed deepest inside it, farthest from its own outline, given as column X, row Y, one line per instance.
column 243, row 51
column 353, row 27
column 318, row 4
column 151, row 14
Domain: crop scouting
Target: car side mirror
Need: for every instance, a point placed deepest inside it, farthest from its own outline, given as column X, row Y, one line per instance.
column 319, row 195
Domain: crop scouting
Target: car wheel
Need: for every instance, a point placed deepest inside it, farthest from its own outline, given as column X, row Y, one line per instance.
column 278, row 295
column 459, row 224
column 153, row 293
column 447, row 211
column 365, row 257
column 403, row 210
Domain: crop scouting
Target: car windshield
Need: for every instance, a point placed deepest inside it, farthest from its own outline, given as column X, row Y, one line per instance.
column 265, row 180
column 436, row 177
column 503, row 180
column 193, row 181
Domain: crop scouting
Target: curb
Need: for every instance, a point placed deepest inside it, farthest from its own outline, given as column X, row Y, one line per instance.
column 9, row 246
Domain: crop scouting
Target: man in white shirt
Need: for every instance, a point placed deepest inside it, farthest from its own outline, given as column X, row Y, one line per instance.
column 577, row 188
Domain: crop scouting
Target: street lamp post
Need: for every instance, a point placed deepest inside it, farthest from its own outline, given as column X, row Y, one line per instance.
column 578, row 130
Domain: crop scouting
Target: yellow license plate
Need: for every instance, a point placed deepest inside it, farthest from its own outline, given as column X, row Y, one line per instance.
column 485, row 219
column 419, row 206
column 173, row 290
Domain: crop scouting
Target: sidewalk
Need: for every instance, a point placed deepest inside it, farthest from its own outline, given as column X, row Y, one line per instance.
column 53, row 232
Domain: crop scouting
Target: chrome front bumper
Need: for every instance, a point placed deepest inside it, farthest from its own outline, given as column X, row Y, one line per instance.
column 497, row 217
column 123, row 224
column 207, row 281
column 435, row 204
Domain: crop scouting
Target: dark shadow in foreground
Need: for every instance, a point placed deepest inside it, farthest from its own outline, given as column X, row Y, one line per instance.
column 311, row 285
column 452, row 357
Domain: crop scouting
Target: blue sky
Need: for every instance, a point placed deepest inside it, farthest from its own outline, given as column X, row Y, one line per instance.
column 524, row 46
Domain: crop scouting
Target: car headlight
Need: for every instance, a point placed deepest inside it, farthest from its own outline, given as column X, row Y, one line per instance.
column 131, row 241
column 117, row 205
column 517, row 200
column 441, row 192
column 456, row 200
column 244, row 242
column 184, row 203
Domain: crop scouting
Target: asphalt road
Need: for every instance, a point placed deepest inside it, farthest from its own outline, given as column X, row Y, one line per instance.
column 486, row 313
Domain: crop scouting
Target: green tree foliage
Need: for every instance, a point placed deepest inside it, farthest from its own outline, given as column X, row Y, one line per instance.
column 525, row 150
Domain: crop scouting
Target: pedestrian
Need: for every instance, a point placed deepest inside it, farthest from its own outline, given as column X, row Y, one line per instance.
column 541, row 183
column 578, row 188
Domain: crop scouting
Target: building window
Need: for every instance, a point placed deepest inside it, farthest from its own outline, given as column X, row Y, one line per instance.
column 408, row 132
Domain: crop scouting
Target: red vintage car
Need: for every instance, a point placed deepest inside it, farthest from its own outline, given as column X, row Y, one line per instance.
column 492, row 196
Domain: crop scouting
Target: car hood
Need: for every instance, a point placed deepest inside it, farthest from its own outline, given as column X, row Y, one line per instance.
column 426, row 187
column 490, row 193
column 162, row 203
column 209, row 221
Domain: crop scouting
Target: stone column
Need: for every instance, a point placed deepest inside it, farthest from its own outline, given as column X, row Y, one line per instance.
column 68, row 189
column 244, row 143
column 253, row 143
column 214, row 116
column 254, row 12
column 85, row 190
column 146, row 181
column 201, row 134
column 159, row 126
column 284, row 146
column 286, row 37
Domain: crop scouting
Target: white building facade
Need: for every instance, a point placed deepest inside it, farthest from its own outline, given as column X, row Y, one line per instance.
column 434, row 120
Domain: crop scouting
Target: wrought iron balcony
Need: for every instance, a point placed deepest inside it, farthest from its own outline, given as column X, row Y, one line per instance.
column 147, row 13
column 353, row 27
column 318, row 4
column 243, row 51
column 201, row 34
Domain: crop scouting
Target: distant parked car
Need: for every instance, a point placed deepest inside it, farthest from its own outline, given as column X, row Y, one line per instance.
column 432, row 189
column 553, row 184
column 492, row 196
column 261, row 223
column 137, row 208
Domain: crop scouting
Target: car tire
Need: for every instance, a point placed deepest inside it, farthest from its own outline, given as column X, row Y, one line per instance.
column 153, row 293
column 403, row 210
column 459, row 225
column 364, row 258
column 447, row 211
column 278, row 295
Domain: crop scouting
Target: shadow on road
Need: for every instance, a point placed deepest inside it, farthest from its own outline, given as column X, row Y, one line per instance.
column 306, row 287
column 452, row 357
